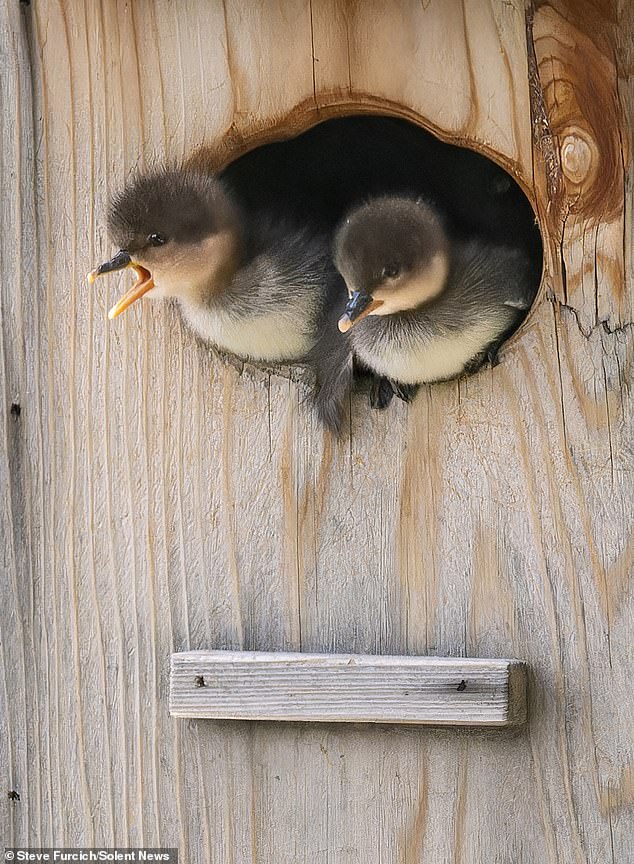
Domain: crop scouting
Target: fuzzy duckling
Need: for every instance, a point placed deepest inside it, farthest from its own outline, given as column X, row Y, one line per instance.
column 254, row 286
column 421, row 308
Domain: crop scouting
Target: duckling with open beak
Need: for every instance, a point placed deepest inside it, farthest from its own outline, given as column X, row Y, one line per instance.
column 253, row 285
column 421, row 308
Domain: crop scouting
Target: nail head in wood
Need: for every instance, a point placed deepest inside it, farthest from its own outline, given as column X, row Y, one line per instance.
column 340, row 688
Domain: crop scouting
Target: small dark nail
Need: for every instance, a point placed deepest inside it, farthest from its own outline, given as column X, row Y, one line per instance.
column 462, row 686
column 199, row 681
column 12, row 795
column 16, row 409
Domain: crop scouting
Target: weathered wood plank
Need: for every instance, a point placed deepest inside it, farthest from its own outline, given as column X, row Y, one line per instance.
column 347, row 688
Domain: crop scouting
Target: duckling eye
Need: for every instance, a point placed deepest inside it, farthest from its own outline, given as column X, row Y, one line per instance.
column 156, row 240
column 391, row 271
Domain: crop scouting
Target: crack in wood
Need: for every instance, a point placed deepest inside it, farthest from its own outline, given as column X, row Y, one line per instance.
column 542, row 135
column 587, row 332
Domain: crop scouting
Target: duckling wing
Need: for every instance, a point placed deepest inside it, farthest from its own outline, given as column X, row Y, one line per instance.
column 488, row 277
column 332, row 359
column 518, row 303
column 333, row 386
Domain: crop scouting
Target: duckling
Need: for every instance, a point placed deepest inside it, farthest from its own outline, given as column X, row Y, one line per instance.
column 253, row 285
column 421, row 307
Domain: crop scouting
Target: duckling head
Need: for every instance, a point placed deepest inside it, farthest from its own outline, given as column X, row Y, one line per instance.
column 393, row 255
column 179, row 230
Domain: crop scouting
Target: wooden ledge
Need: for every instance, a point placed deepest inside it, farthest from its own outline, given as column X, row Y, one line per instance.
column 347, row 688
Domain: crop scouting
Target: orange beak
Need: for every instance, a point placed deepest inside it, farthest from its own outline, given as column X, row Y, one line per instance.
column 144, row 283
column 359, row 305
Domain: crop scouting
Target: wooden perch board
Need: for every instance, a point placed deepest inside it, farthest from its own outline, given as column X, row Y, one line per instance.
column 347, row 688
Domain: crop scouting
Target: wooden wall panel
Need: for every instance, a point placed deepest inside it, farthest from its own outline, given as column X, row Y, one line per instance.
column 157, row 498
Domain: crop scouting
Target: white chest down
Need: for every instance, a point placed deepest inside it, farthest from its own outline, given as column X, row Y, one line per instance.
column 434, row 359
column 271, row 337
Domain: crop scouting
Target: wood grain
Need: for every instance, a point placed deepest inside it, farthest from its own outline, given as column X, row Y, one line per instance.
column 156, row 499
column 346, row 688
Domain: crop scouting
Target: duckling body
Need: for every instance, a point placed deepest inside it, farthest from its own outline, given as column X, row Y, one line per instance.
column 253, row 285
column 271, row 307
column 480, row 301
column 421, row 307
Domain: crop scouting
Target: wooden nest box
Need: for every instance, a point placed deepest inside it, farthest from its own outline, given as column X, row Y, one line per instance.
column 160, row 499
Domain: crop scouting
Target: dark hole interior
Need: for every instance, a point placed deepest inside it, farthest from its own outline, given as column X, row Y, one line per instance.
column 317, row 176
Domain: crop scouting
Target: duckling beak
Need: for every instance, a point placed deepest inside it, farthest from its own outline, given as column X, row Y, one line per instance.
column 118, row 262
column 359, row 305
column 144, row 283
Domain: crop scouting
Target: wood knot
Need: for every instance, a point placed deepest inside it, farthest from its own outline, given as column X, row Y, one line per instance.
column 579, row 96
column 579, row 157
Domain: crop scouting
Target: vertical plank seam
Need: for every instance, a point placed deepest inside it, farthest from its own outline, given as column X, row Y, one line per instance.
column 90, row 425
column 109, row 495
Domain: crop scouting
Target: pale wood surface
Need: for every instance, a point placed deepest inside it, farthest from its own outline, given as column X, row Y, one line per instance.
column 344, row 688
column 155, row 499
